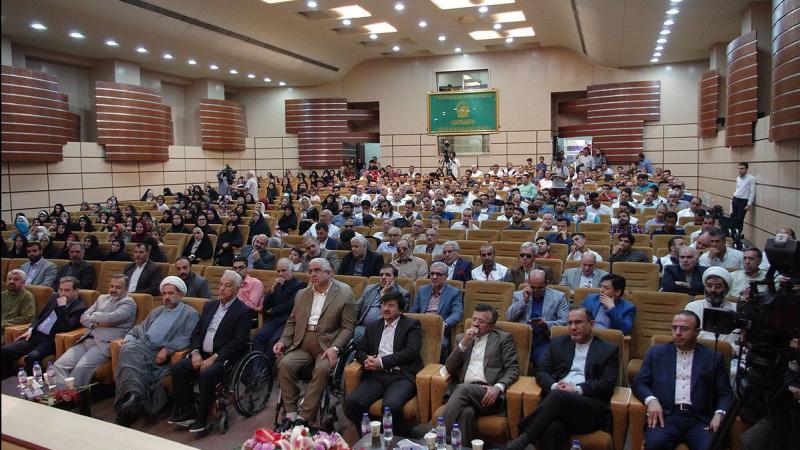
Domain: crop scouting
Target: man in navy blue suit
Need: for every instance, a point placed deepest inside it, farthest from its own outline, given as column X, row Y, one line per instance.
column 457, row 268
column 685, row 387
column 608, row 307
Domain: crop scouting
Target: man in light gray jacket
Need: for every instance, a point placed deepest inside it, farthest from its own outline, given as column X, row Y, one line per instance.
column 585, row 276
column 39, row 271
column 111, row 317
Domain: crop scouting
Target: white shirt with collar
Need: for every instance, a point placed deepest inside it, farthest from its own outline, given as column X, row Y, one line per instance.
column 746, row 188
column 577, row 372
column 474, row 372
column 317, row 304
column 733, row 259
column 134, row 281
column 216, row 319
column 386, row 346
column 498, row 272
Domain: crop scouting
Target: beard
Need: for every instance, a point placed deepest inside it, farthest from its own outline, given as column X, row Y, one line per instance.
column 715, row 299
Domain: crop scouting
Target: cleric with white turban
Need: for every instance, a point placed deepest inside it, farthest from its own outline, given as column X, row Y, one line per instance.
column 175, row 281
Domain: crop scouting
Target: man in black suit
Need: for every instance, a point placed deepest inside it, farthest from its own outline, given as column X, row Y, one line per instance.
column 278, row 304
column 390, row 355
column 77, row 268
column 223, row 334
column 325, row 241
column 143, row 274
column 61, row 313
column 361, row 260
column 577, row 377
column 258, row 257
column 686, row 276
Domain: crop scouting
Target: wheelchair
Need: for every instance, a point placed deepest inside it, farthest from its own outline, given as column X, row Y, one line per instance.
column 332, row 396
column 247, row 384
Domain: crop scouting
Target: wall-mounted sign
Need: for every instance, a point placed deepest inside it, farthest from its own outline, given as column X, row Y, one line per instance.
column 467, row 112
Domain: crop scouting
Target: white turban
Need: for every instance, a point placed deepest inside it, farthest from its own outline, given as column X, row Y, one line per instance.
column 175, row 281
column 718, row 272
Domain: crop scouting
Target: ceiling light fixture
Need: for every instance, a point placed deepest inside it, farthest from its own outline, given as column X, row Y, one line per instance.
column 483, row 35
column 455, row 4
column 675, row 1
column 380, row 27
column 76, row 35
column 521, row 32
column 311, row 4
column 511, row 16
column 483, row 9
column 347, row 22
column 251, row 75
column 656, row 54
column 661, row 40
column 422, row 24
column 213, row 67
column 141, row 50
column 509, row 40
column 664, row 32
column 191, row 62
column 442, row 38
column 396, row 48
column 112, row 43
column 673, row 11
column 267, row 79
column 351, row 12
column 497, row 26
column 668, row 22
column 458, row 49
column 399, row 6
column 373, row 36
column 659, row 47
column 38, row 26
column 233, row 71
column 281, row 83
column 654, row 60
column 167, row 56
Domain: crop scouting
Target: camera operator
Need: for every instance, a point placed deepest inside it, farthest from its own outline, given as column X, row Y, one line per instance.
column 225, row 178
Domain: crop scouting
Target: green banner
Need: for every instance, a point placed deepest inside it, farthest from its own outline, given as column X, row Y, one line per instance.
column 468, row 112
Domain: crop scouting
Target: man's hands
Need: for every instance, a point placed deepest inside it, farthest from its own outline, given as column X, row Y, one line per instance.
column 196, row 360
column 26, row 335
column 386, row 288
column 161, row 356
column 331, row 354
column 607, row 301
column 61, row 301
column 278, row 282
column 278, row 348
column 372, row 363
column 655, row 415
column 566, row 387
column 616, row 249
column 492, row 392
column 206, row 363
column 683, row 284
column 469, row 335
column 527, row 292
column 713, row 426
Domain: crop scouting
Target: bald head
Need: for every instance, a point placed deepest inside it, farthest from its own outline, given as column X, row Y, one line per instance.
column 537, row 278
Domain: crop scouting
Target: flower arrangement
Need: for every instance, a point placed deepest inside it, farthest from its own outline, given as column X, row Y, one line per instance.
column 298, row 438
column 59, row 396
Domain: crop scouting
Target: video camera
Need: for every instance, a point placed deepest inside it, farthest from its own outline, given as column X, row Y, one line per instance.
column 229, row 173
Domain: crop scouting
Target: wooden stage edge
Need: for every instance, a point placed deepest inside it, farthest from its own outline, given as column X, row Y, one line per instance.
column 33, row 426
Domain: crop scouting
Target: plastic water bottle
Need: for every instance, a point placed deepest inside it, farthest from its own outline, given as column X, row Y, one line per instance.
column 365, row 427
column 440, row 434
column 37, row 374
column 576, row 445
column 388, row 434
column 455, row 437
column 51, row 373
column 22, row 380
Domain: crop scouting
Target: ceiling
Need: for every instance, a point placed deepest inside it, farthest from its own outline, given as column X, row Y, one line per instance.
column 304, row 46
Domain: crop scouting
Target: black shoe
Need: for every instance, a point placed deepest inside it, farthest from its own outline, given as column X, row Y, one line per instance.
column 123, row 421
column 286, row 425
column 198, row 426
column 181, row 419
column 131, row 406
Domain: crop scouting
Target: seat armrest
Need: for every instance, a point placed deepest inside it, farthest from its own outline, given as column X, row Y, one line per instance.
column 67, row 339
column 439, row 383
column 423, row 382
column 178, row 356
column 625, row 355
column 531, row 397
column 12, row 332
column 116, row 348
column 637, row 413
column 352, row 376
column 619, row 410
column 514, row 395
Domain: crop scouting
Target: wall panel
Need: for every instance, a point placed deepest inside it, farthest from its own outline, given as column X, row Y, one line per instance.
column 785, row 120
column 223, row 125
column 742, row 91
column 707, row 103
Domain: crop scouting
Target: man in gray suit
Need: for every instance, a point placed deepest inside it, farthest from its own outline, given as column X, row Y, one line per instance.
column 368, row 307
column 480, row 387
column 39, row 271
column 313, row 250
column 430, row 246
column 585, row 276
column 541, row 308
column 109, row 318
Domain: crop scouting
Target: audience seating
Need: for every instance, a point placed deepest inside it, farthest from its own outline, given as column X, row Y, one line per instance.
column 508, row 261
column 483, row 235
column 405, row 283
column 638, row 276
column 417, row 410
column 507, row 248
column 587, row 227
column 213, row 274
column 560, row 250
column 357, row 283
column 471, row 248
column 642, row 240
column 581, row 293
column 107, row 269
column 288, row 240
column 563, row 289
column 619, row 400
column 661, row 240
column 597, row 238
column 517, row 236
column 557, row 266
column 571, row 264
column 426, row 256
column 495, row 293
column 196, row 268
column 447, row 234
column 177, row 239
column 604, row 251
column 40, row 295
column 493, row 225
column 648, row 251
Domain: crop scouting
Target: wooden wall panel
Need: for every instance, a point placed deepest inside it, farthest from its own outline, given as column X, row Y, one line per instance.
column 322, row 128
column 36, row 121
column 615, row 116
column 742, row 91
column 223, row 125
column 132, row 123
column 707, row 103
column 785, row 117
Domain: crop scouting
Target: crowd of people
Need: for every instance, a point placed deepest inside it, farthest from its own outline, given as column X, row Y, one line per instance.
column 314, row 321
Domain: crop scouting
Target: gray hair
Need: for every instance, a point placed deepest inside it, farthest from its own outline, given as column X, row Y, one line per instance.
column 76, row 283
column 285, row 261
column 18, row 272
column 453, row 245
column 360, row 240
column 309, row 239
column 529, row 246
column 79, row 245
column 689, row 249
column 323, row 262
column 234, row 277
column 439, row 265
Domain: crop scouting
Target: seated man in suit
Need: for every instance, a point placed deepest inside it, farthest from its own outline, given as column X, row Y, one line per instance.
column 144, row 359
column 585, row 276
column 390, row 245
column 608, row 307
column 62, row 313
column 430, row 246
column 325, row 241
column 196, row 286
column 313, row 251
column 577, row 377
column 313, row 335
column 481, row 367
column 368, row 307
column 109, row 318
column 457, row 268
column 390, row 355
column 527, row 263
column 144, row 275
column 222, row 334
column 258, row 257
column 278, row 304
column 685, row 387
column 408, row 265
column 441, row 298
column 541, row 308
column 38, row 270
column 361, row 261
column 685, row 277
column 622, row 252
column 19, row 306
column 76, row 267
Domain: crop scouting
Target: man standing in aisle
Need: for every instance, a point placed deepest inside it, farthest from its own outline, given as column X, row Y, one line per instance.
column 744, row 195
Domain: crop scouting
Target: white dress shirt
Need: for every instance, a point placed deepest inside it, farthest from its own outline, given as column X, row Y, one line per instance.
column 683, row 378
column 317, row 304
column 732, row 259
column 586, row 282
column 386, row 346
column 474, row 371
column 498, row 272
column 577, row 372
column 134, row 281
column 746, row 188
column 216, row 319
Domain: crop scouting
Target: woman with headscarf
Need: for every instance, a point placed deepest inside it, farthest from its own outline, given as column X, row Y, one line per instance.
column 288, row 220
column 140, row 232
column 249, row 199
column 199, row 247
column 331, row 204
column 118, row 231
column 156, row 254
column 61, row 231
column 272, row 192
column 178, row 226
column 258, row 226
column 148, row 195
column 213, row 216
column 296, row 257
column 234, row 217
column 92, row 250
column 49, row 250
column 44, row 216
column 117, row 252
column 58, row 208
column 71, row 238
column 85, row 224
column 228, row 240
column 19, row 249
column 202, row 223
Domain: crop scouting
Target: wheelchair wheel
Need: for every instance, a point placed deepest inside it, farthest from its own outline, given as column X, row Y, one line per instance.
column 251, row 383
column 224, row 422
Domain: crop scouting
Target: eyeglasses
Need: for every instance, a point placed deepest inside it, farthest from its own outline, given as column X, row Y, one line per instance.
column 526, row 255
column 487, row 254
column 239, row 268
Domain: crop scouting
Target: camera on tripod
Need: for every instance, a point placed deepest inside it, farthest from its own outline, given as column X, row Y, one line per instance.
column 229, row 173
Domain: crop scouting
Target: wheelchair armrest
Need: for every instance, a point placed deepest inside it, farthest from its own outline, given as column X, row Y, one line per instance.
column 352, row 376
column 637, row 414
column 116, row 349
column 514, row 395
column 439, row 384
column 67, row 339
column 619, row 410
column 424, row 391
column 531, row 397
column 12, row 332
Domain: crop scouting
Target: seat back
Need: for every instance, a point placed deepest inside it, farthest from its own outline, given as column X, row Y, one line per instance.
column 471, row 248
column 292, row 240
column 214, row 274
column 597, row 238
column 493, row 225
column 495, row 293
column 556, row 265
column 609, row 335
column 89, row 296
column 177, row 239
column 654, row 312
column 144, row 304
column 267, row 277
column 563, row 289
column 518, row 236
column 432, row 329
column 107, row 269
column 447, row 234
column 561, row 250
column 602, row 265
column 40, row 294
column 504, row 247
column 171, row 252
column 404, row 282
column 661, row 240
column 483, row 235
column 604, row 228
column 522, row 333
column 581, row 293
column 638, row 276
column 355, row 282
column 196, row 303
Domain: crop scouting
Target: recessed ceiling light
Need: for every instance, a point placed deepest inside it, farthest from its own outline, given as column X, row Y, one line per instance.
column 656, row 54
column 141, row 50
column 511, row 16
column 233, row 71
column 497, row 26
column 167, row 56
column 483, row 9
column 664, row 32
column 454, row 4
column 458, row 49
column 351, row 12
column 311, row 4
column 112, row 43
column 654, row 60
column 509, row 40
column 484, row 35
column 267, row 79
column 422, row 24
column 251, row 75
column 675, row 1
column 213, row 67
column 38, row 26
column 521, row 32
column 281, row 83
column 399, row 6
column 380, row 27
column 442, row 38
column 275, row 1
column 373, row 36
column 673, row 11
column 668, row 22
column 76, row 35
column 191, row 62
column 661, row 40
column 659, row 47
column 346, row 22
column 396, row 48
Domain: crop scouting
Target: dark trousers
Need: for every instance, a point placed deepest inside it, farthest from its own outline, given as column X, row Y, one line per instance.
column 183, row 379
column 464, row 405
column 34, row 349
column 265, row 339
column 679, row 426
column 559, row 415
column 737, row 211
column 395, row 389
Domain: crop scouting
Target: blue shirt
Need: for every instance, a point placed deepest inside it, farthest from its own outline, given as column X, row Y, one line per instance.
column 645, row 164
